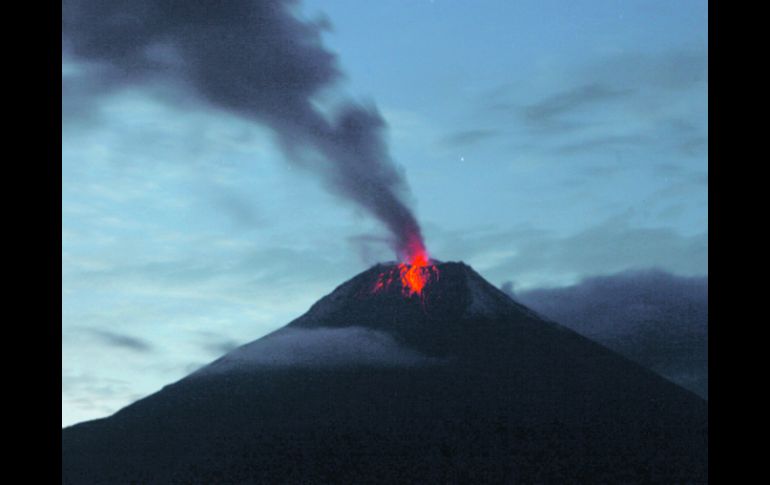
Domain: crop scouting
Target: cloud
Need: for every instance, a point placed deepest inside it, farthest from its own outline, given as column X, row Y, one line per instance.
column 234, row 273
column 86, row 396
column 219, row 347
column 675, row 70
column 601, row 142
column 615, row 245
column 103, row 386
column 239, row 208
column 651, row 100
column 655, row 318
column 122, row 341
column 694, row 146
column 321, row 347
column 552, row 107
column 538, row 257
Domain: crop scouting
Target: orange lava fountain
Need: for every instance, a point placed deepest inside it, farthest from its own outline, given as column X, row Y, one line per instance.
column 414, row 274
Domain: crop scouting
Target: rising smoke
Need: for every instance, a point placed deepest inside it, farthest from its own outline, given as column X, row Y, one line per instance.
column 255, row 58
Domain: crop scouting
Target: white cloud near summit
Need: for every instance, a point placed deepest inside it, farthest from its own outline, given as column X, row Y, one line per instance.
column 321, row 347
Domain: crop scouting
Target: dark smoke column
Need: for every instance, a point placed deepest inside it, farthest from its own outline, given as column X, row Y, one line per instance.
column 258, row 59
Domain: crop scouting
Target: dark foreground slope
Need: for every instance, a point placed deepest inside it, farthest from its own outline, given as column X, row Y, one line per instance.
column 465, row 386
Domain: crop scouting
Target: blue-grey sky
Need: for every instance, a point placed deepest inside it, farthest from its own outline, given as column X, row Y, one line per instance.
column 543, row 142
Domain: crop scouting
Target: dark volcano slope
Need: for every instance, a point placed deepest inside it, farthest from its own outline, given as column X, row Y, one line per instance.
column 497, row 395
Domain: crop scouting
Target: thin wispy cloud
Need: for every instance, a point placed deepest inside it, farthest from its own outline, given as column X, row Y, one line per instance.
column 219, row 347
column 551, row 108
column 628, row 99
column 123, row 341
column 542, row 258
column 602, row 142
column 321, row 347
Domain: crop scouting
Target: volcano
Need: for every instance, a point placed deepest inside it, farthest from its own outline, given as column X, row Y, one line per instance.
column 375, row 384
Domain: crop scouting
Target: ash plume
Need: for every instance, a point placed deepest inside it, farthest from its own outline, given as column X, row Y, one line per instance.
column 257, row 59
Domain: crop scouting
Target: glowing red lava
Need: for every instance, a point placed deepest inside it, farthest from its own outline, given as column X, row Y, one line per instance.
column 414, row 275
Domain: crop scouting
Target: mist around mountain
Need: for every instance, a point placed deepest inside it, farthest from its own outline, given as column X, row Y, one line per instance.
column 458, row 385
column 654, row 318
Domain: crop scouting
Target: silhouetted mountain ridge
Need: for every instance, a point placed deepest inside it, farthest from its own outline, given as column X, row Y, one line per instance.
column 461, row 384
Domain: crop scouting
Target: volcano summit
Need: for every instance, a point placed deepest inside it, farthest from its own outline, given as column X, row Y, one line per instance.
column 374, row 384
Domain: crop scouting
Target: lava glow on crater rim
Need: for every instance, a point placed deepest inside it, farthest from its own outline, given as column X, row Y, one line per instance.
column 414, row 275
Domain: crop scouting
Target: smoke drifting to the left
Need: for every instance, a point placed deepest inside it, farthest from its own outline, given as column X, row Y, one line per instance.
column 255, row 58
